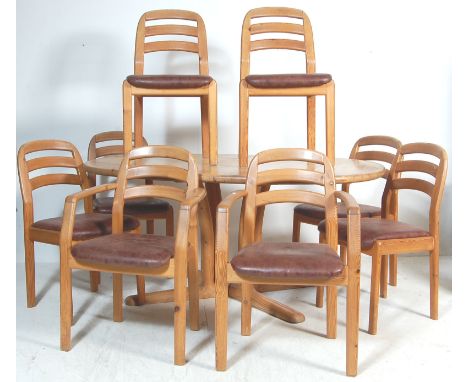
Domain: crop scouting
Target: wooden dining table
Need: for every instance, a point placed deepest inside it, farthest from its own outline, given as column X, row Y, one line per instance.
column 228, row 171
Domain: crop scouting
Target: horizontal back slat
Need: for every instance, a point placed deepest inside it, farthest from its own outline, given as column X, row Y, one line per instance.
column 155, row 191
column 276, row 12
column 44, row 162
column 277, row 44
column 158, row 171
column 50, row 179
column 290, row 176
column 424, row 148
column 289, row 196
column 376, row 156
column 181, row 46
column 47, row 144
column 181, row 30
column 109, row 150
column 413, row 184
column 417, row 165
column 273, row 155
column 170, row 14
column 276, row 28
column 160, row 152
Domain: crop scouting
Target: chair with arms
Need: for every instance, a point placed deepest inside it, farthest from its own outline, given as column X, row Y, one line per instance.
column 287, row 263
column 33, row 156
column 385, row 236
column 140, row 254
column 384, row 150
column 309, row 84
column 142, row 209
column 141, row 85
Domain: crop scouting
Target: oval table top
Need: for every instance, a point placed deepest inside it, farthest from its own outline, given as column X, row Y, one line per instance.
column 228, row 171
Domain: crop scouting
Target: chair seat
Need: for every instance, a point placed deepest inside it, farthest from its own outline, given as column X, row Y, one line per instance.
column 318, row 213
column 288, row 261
column 378, row 229
column 142, row 207
column 126, row 249
column 87, row 226
column 283, row 81
column 165, row 81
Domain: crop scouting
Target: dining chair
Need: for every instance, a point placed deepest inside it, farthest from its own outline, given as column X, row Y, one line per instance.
column 259, row 262
column 414, row 165
column 135, row 253
column 257, row 35
column 383, row 149
column 142, row 209
column 160, row 31
column 58, row 162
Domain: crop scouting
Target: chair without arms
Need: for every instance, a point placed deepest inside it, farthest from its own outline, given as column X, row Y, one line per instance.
column 88, row 225
column 309, row 84
column 385, row 236
column 201, row 85
column 140, row 254
column 142, row 209
column 309, row 214
column 287, row 263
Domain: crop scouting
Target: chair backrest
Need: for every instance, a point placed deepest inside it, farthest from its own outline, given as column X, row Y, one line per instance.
column 166, row 163
column 108, row 136
column 408, row 173
column 156, row 31
column 379, row 154
column 250, row 29
column 289, row 166
column 70, row 159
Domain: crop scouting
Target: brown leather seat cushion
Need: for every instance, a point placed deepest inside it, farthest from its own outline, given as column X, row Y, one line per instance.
column 164, row 81
column 288, row 261
column 378, row 229
column 126, row 249
column 267, row 81
column 87, row 226
column 318, row 212
column 142, row 207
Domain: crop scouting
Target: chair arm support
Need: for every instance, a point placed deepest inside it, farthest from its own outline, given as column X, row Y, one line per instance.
column 353, row 234
column 222, row 226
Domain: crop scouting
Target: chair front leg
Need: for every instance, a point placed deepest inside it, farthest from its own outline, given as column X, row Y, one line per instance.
column 30, row 272
column 141, row 290
column 331, row 311
column 374, row 294
column 246, row 309
column 193, row 282
column 66, row 308
column 352, row 326
column 117, row 286
column 221, row 318
column 434, row 282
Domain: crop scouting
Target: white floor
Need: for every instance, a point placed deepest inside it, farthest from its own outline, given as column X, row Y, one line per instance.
column 408, row 347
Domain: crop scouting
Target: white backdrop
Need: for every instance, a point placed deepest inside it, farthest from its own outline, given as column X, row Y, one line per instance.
column 391, row 64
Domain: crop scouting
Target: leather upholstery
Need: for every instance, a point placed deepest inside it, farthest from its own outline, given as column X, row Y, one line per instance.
column 164, row 81
column 87, row 226
column 141, row 207
column 288, row 261
column 378, row 229
column 126, row 249
column 283, row 81
column 318, row 212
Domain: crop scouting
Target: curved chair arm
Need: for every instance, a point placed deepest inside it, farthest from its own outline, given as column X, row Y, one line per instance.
column 353, row 235
column 222, row 225
column 69, row 211
column 194, row 198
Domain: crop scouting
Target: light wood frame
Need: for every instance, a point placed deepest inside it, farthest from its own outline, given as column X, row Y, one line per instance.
column 376, row 154
column 207, row 94
column 32, row 234
column 257, row 194
column 306, row 46
column 184, row 264
column 398, row 180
